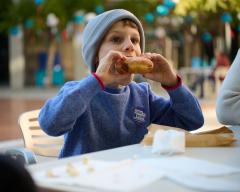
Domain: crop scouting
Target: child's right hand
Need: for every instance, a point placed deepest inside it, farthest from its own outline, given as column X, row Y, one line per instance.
column 107, row 73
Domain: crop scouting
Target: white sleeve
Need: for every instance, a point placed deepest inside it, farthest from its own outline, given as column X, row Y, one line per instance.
column 228, row 99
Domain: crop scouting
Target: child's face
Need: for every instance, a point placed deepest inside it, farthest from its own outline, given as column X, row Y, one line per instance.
column 121, row 37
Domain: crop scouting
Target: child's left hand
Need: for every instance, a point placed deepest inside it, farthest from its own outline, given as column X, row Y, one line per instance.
column 162, row 70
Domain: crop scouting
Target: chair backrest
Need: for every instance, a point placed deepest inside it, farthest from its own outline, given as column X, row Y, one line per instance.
column 34, row 137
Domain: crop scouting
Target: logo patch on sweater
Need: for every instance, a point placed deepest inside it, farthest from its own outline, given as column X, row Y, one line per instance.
column 139, row 115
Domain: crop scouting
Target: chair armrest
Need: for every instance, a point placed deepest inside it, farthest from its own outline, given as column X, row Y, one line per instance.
column 22, row 155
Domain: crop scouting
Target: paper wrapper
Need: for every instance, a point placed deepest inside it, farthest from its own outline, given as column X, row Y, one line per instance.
column 222, row 136
column 168, row 142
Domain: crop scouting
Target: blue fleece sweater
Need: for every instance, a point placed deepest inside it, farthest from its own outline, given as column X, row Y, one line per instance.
column 92, row 119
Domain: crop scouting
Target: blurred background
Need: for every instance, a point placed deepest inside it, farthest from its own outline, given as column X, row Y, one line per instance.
column 40, row 47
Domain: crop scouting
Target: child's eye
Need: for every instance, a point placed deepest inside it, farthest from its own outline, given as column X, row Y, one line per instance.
column 116, row 39
column 135, row 40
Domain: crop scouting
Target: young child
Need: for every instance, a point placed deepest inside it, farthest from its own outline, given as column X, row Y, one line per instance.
column 107, row 109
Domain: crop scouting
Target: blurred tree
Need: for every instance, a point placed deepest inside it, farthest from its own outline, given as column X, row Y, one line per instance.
column 207, row 12
column 18, row 11
column 138, row 7
column 183, row 7
column 65, row 9
column 219, row 17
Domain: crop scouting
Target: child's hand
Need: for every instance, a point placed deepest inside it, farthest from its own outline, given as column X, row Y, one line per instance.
column 107, row 73
column 162, row 71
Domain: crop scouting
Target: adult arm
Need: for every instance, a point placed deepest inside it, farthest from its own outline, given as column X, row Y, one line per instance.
column 228, row 99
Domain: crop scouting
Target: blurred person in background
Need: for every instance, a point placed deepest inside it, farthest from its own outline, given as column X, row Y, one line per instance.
column 228, row 99
column 222, row 64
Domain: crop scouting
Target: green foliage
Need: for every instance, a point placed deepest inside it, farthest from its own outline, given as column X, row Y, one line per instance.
column 12, row 14
column 6, row 19
column 207, row 7
column 207, row 14
column 138, row 7
column 65, row 9
column 57, row 7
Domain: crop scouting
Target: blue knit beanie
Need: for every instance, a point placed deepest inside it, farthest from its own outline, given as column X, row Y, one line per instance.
column 96, row 29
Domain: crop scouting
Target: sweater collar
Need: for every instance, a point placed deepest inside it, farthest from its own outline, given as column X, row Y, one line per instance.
column 114, row 90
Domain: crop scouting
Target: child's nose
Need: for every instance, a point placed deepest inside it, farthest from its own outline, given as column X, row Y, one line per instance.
column 128, row 46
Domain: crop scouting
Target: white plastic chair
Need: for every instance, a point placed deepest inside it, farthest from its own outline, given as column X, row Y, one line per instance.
column 35, row 140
